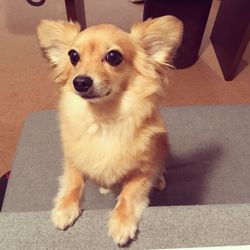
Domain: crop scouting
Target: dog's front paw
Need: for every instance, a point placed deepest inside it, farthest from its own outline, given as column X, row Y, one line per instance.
column 63, row 218
column 122, row 229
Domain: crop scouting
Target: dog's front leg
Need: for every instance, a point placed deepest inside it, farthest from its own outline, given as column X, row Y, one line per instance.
column 132, row 201
column 67, row 208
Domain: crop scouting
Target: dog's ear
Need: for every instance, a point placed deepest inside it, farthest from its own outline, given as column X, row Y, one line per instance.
column 56, row 39
column 159, row 37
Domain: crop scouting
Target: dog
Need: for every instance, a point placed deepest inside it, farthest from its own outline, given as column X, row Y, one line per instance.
column 110, row 84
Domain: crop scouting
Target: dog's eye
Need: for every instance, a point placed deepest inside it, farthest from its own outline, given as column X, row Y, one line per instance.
column 74, row 57
column 114, row 57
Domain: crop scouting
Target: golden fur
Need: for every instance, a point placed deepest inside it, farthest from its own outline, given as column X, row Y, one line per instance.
column 116, row 139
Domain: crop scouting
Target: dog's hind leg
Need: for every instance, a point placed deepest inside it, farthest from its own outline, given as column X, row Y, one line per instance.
column 103, row 190
column 160, row 183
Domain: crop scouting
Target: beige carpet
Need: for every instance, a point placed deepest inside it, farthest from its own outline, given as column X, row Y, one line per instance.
column 25, row 85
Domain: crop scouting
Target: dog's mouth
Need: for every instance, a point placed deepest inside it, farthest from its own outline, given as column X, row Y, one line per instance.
column 93, row 96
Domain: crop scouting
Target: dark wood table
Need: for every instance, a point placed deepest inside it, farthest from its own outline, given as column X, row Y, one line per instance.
column 230, row 35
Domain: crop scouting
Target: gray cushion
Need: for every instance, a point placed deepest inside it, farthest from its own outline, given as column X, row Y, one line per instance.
column 209, row 161
column 209, row 164
column 167, row 227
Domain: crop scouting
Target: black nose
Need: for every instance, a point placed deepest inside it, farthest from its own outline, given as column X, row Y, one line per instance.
column 82, row 83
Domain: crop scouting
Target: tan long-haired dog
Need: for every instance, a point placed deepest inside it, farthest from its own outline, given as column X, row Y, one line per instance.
column 111, row 129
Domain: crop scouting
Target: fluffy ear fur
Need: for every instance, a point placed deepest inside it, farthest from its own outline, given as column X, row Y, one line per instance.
column 56, row 38
column 159, row 37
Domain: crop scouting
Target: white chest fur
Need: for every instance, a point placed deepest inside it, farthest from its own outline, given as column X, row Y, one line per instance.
column 103, row 151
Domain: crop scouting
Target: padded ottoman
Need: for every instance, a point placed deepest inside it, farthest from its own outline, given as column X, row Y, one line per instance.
column 208, row 167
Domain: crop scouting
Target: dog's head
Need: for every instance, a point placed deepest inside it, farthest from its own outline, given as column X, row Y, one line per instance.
column 104, row 61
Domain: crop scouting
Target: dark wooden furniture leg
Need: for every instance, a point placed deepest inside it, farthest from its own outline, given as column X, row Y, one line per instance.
column 193, row 14
column 76, row 12
column 230, row 35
